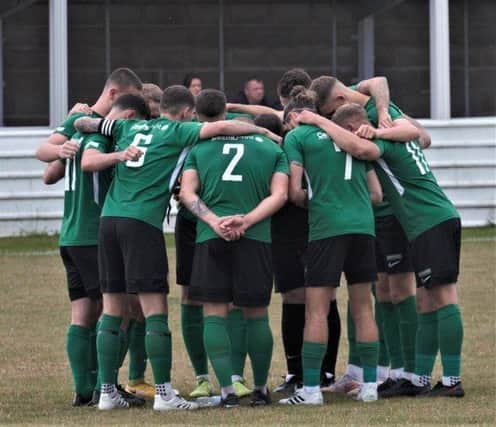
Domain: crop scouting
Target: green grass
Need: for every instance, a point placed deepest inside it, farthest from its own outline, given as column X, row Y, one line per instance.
column 35, row 385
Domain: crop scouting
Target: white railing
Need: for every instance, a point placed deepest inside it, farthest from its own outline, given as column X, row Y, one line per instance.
column 462, row 156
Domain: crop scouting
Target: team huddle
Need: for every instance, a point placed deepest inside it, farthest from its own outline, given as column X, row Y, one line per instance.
column 335, row 182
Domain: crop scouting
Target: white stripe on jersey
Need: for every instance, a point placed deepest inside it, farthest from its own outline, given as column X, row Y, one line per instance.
column 179, row 166
column 96, row 188
column 394, row 180
column 309, row 186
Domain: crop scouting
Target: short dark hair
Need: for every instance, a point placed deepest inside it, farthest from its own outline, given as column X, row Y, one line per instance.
column 301, row 98
column 292, row 78
column 351, row 111
column 188, row 79
column 176, row 97
column 322, row 86
column 269, row 121
column 211, row 103
column 133, row 102
column 124, row 78
column 253, row 78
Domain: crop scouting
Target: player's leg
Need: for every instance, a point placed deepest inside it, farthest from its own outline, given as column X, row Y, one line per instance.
column 252, row 288
column 383, row 360
column 289, row 277
column 211, row 284
column 191, row 311
column 324, row 260
column 146, row 274
column 436, row 255
column 292, row 326
column 136, row 332
column 85, row 309
column 361, row 271
column 328, row 373
column 237, row 329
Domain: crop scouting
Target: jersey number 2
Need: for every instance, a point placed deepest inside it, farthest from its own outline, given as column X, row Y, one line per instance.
column 228, row 173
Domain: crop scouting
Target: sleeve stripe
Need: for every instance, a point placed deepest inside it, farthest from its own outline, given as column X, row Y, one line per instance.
column 107, row 127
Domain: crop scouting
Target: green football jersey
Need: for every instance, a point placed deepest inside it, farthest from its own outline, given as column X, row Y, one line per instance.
column 412, row 190
column 235, row 175
column 141, row 189
column 67, row 127
column 383, row 208
column 233, row 116
column 338, row 196
column 84, row 195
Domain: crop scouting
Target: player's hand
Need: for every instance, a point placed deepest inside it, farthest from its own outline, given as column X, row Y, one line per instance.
column 80, row 108
column 235, row 226
column 131, row 153
column 366, row 131
column 224, row 232
column 272, row 136
column 384, row 119
column 68, row 149
column 307, row 117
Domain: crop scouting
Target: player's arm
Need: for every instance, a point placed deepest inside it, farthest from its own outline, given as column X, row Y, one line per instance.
column 375, row 188
column 94, row 160
column 378, row 88
column 267, row 207
column 424, row 137
column 360, row 148
column 297, row 194
column 188, row 195
column 57, row 146
column 234, row 128
column 92, row 125
column 54, row 172
column 401, row 131
column 254, row 110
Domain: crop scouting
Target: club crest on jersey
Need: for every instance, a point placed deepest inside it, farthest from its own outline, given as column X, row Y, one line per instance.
column 322, row 135
column 258, row 139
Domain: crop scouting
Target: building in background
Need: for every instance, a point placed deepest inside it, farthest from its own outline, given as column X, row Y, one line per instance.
column 439, row 57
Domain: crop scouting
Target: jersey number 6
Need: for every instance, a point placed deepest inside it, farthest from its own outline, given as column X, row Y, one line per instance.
column 146, row 139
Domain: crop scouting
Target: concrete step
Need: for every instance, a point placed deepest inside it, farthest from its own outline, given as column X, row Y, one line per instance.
column 24, row 182
column 20, row 160
column 22, row 138
column 471, row 129
column 475, row 190
column 477, row 214
column 462, row 171
column 36, row 202
column 460, row 151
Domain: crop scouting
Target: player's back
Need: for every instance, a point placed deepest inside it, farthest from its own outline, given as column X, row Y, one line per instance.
column 338, row 197
column 411, row 187
column 235, row 175
column 141, row 189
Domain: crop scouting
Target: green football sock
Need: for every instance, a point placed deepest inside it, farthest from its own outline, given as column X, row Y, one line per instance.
column 123, row 346
column 312, row 355
column 192, row 327
column 260, row 344
column 79, row 351
column 391, row 324
column 427, row 343
column 108, row 348
column 369, row 354
column 93, row 363
column 383, row 350
column 98, row 379
column 218, row 347
column 158, row 345
column 450, row 339
column 407, row 312
column 353, row 356
column 236, row 327
column 137, row 354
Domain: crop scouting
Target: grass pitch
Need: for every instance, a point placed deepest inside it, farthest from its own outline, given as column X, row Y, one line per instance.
column 36, row 386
